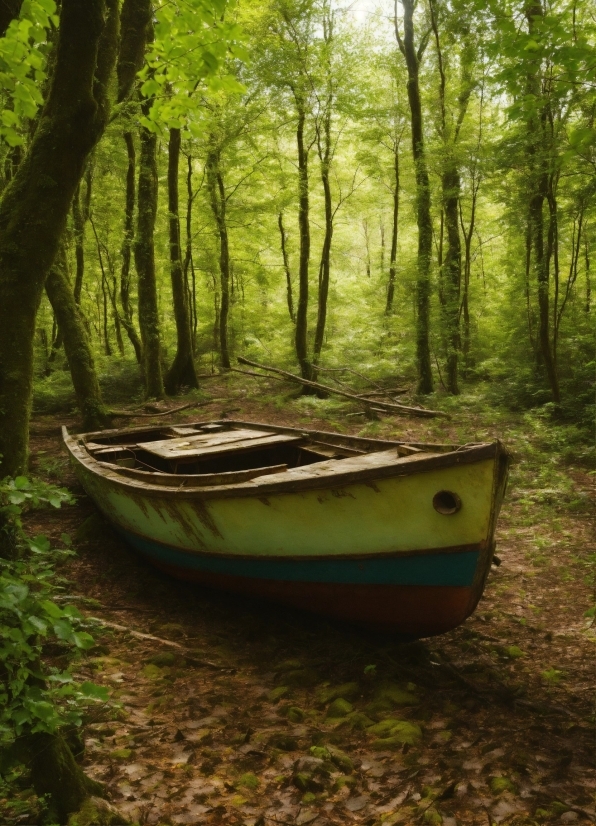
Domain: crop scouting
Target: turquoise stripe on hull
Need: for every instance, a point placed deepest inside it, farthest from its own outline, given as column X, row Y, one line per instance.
column 450, row 569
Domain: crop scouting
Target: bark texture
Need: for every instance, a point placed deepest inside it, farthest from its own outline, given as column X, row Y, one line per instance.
column 182, row 373
column 129, row 211
column 135, row 18
column 301, row 337
column 76, row 345
column 287, row 271
column 423, row 214
column 217, row 197
column 55, row 773
column 35, row 205
column 145, row 264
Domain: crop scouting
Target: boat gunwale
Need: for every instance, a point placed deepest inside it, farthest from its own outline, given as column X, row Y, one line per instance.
column 261, row 485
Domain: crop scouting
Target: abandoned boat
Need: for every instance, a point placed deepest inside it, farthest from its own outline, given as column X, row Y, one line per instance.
column 392, row 535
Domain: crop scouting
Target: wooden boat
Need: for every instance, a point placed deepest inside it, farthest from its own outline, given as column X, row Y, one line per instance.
column 392, row 535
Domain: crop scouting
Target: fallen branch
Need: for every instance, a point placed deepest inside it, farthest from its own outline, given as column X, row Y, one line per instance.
column 252, row 373
column 139, row 635
column 386, row 406
column 126, row 414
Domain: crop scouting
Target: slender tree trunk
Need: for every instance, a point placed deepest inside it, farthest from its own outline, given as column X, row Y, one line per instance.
column 35, row 205
column 145, row 263
column 587, row 268
column 423, row 205
column 191, row 288
column 127, row 316
column 217, row 193
column 304, row 260
column 182, row 372
column 394, row 233
column 76, row 345
column 538, row 165
column 80, row 213
column 325, row 265
column 452, row 271
column 286, row 260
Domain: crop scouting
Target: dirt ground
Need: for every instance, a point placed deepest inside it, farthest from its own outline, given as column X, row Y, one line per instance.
column 243, row 722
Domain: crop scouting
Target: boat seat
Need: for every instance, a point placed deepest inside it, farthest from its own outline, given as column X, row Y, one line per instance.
column 206, row 446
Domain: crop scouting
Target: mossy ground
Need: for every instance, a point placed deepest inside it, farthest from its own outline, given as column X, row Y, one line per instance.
column 502, row 704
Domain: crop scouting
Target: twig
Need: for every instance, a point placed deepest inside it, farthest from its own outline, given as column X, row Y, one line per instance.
column 391, row 407
column 131, row 413
column 139, row 635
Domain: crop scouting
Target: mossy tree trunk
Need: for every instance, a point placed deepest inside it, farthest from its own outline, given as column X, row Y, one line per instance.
column 76, row 344
column 325, row 155
column 423, row 214
column 129, row 210
column 145, row 263
column 81, row 206
column 55, row 773
column 36, row 203
column 182, row 372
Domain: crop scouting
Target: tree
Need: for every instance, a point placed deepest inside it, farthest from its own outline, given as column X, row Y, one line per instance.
column 413, row 56
column 35, row 205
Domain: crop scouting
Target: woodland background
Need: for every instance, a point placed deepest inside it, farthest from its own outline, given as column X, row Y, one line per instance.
column 467, row 269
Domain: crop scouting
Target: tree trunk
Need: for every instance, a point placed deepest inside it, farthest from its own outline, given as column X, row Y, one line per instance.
column 191, row 288
column 80, row 215
column 325, row 265
column 182, row 372
column 217, row 193
column 76, row 345
column 286, row 260
column 304, row 227
column 145, row 263
column 423, row 206
column 452, row 271
column 35, row 205
column 127, row 317
column 54, row 772
column 394, row 234
column 538, row 165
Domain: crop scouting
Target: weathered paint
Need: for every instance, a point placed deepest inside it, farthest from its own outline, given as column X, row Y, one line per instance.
column 365, row 545
column 356, row 519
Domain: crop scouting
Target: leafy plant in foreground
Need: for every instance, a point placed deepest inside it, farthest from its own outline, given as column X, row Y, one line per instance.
column 38, row 703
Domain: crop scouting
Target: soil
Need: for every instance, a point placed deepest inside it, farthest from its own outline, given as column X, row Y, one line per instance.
column 237, row 725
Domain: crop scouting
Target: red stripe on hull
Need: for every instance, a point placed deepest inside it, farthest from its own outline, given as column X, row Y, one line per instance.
column 412, row 610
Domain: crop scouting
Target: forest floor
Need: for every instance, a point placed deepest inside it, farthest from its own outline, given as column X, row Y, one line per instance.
column 235, row 732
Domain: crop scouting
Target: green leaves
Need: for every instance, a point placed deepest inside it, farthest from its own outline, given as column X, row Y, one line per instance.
column 23, row 52
column 193, row 41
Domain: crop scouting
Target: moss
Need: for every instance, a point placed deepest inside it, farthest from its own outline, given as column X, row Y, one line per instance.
column 432, row 816
column 121, row 754
column 402, row 733
column 275, row 695
column 166, row 658
column 501, row 784
column 249, row 781
column 97, row 812
column 339, row 708
column 347, row 690
column 295, row 714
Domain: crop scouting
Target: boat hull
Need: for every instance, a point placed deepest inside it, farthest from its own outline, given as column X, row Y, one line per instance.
column 365, row 546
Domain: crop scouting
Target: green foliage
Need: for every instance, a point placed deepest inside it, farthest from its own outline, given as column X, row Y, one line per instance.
column 192, row 41
column 23, row 54
column 33, row 696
